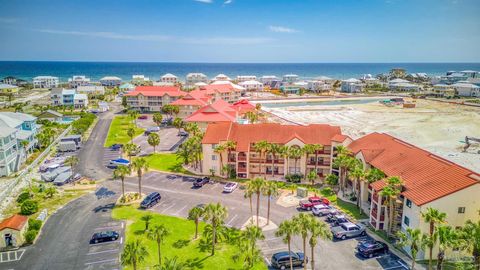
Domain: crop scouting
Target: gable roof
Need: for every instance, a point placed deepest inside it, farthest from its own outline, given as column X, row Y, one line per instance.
column 15, row 222
column 220, row 88
column 219, row 111
column 243, row 106
column 193, row 98
column 173, row 91
column 246, row 134
column 426, row 177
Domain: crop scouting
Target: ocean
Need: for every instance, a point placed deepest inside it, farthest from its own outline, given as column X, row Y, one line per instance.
column 96, row 70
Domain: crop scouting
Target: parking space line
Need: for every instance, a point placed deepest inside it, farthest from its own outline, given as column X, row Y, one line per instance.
column 121, row 240
column 181, row 209
column 102, row 261
column 165, row 209
column 103, row 251
column 229, row 223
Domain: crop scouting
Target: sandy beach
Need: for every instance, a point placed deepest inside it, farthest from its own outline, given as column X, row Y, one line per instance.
column 437, row 127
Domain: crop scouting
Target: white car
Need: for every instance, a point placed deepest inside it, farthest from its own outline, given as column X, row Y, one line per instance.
column 230, row 187
column 322, row 210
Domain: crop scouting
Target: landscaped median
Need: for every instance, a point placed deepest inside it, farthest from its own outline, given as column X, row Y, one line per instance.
column 166, row 162
column 117, row 133
column 179, row 242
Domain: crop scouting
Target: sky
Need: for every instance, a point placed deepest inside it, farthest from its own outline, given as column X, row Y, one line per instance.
column 297, row 31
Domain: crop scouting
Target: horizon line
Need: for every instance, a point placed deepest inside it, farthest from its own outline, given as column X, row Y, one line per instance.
column 200, row 62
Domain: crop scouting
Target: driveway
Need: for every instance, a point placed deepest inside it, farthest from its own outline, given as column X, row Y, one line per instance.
column 169, row 141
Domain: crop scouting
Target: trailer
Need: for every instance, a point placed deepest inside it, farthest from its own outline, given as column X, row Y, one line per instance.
column 67, row 146
column 114, row 163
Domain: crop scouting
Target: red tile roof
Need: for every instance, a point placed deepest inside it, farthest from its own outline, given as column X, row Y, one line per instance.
column 243, row 106
column 15, row 222
column 426, row 177
column 219, row 111
column 154, row 91
column 246, row 134
column 339, row 138
column 193, row 98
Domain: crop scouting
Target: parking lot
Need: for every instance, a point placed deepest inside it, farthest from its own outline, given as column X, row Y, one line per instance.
column 169, row 141
column 178, row 196
column 105, row 255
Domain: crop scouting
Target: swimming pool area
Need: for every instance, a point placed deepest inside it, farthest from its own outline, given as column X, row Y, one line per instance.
column 323, row 102
column 67, row 120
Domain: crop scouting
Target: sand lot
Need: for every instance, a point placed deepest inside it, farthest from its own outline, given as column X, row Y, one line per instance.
column 435, row 126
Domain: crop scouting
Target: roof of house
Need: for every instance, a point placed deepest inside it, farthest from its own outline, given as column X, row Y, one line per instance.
column 68, row 91
column 80, row 96
column 351, row 80
column 169, row 75
column 466, row 85
column 398, row 81
column 219, row 111
column 157, row 91
column 7, row 86
column 339, row 138
column 5, row 130
column 220, row 88
column 127, row 86
column 110, row 78
column 90, row 88
column 193, row 98
column 19, row 116
column 250, row 82
column 236, row 86
column 426, row 177
column 15, row 222
column 246, row 134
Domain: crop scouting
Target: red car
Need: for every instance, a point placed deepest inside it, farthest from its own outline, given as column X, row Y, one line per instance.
column 143, row 117
column 312, row 201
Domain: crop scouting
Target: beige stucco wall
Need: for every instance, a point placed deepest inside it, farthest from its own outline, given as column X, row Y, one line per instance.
column 17, row 235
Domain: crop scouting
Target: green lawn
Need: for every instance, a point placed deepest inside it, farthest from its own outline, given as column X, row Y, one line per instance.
column 350, row 209
column 118, row 131
column 179, row 243
column 166, row 162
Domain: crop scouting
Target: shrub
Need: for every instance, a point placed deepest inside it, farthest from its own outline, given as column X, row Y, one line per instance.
column 328, row 191
column 23, row 197
column 34, row 224
column 30, row 236
column 294, row 178
column 29, row 207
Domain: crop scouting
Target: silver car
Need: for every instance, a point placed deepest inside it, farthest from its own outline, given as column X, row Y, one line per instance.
column 348, row 229
column 322, row 210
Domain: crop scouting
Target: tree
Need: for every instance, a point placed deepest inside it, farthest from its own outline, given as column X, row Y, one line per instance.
column 133, row 114
column 252, row 117
column 374, row 175
column 433, row 217
column 295, row 153
column 71, row 161
column 120, row 173
column 158, row 234
column 303, row 222
column 192, row 128
column 140, row 165
column 447, row 238
column 131, row 133
column 332, row 180
column 318, row 230
column 249, row 191
column 172, row 264
column 134, row 253
column 50, row 191
column 215, row 214
column 178, row 123
column 274, row 149
column 146, row 218
column 411, row 239
column 343, row 161
column 157, row 118
column 195, row 214
column 262, row 147
column 312, row 176
column 270, row 190
column 153, row 140
column 312, row 149
column 130, row 149
column 287, row 229
column 219, row 149
column 358, row 175
column 258, row 185
column 248, row 244
column 470, row 240
column 391, row 192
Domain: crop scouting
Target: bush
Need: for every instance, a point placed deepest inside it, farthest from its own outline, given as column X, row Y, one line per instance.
column 29, row 207
column 30, row 236
column 328, row 191
column 23, row 197
column 34, row 224
column 294, row 178
column 83, row 123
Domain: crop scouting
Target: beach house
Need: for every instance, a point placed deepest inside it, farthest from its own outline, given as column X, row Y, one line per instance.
column 6, row 89
column 289, row 78
column 244, row 78
column 169, row 78
column 352, row 85
column 318, row 86
column 152, row 98
column 403, row 85
column 466, row 89
column 45, row 82
column 268, row 79
column 140, row 80
column 251, row 85
column 221, row 77
column 94, row 90
column 248, row 162
column 193, row 78
column 427, row 181
column 443, row 90
column 110, row 81
column 78, row 80
column 68, row 97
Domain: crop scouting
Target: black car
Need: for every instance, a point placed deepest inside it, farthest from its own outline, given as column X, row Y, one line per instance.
column 199, row 182
column 105, row 236
column 281, row 260
column 369, row 249
column 150, row 200
column 182, row 133
column 116, row 146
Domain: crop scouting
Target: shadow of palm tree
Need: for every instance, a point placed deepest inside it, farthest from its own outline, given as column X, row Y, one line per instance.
column 181, row 243
column 139, row 232
column 195, row 263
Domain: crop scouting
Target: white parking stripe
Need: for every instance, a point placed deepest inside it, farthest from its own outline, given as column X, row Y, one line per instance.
column 229, row 223
column 121, row 240
column 102, row 261
column 181, row 209
column 165, row 209
column 104, row 251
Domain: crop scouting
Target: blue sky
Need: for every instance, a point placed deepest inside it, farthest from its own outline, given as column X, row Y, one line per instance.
column 241, row 30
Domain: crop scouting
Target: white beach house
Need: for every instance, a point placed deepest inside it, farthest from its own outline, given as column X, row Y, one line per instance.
column 169, row 78
column 244, row 78
column 221, row 77
column 290, row 78
column 252, row 85
column 467, row 89
column 193, row 78
column 78, row 80
column 352, row 85
column 268, row 79
column 45, row 82
column 110, row 81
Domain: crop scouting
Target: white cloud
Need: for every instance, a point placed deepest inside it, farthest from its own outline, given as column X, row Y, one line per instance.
column 204, row 1
column 227, row 2
column 281, row 29
column 8, row 20
column 189, row 40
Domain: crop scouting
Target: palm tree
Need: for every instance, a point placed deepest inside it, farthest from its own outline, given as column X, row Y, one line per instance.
column 258, row 186
column 391, row 192
column 303, row 227
column 433, row 217
column 447, row 238
column 172, row 264
column 252, row 117
column 411, row 239
column 295, row 153
column 287, row 229
column 311, row 176
column 318, row 230
column 153, row 140
column 312, row 149
column 261, row 147
column 358, row 175
column 343, row 162
column 178, row 123
column 195, row 214
column 71, row 161
column 270, row 190
column 131, row 133
column 248, row 244
column 332, row 180
column 120, row 173
column 140, row 165
column 470, row 240
column 158, row 234
column 133, row 114
column 274, row 149
column 219, row 149
column 249, row 191
column 146, row 218
column 134, row 253
column 157, row 118
column 215, row 214
column 130, row 149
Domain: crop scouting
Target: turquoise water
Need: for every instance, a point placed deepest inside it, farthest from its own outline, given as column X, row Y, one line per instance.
column 321, row 102
column 67, row 120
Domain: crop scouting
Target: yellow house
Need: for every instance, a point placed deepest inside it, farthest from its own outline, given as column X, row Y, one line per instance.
column 8, row 88
column 12, row 231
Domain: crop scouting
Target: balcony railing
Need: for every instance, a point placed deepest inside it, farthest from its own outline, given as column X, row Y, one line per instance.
column 277, row 161
column 242, row 158
column 242, row 169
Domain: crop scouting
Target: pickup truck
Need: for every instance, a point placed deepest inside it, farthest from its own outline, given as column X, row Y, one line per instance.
column 348, row 229
column 311, row 202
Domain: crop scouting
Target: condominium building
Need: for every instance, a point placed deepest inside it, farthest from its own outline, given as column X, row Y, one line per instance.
column 191, row 102
column 110, row 81
column 193, row 78
column 14, row 81
column 45, row 82
column 91, row 90
column 249, row 163
column 428, row 181
column 169, row 78
column 318, row 86
column 229, row 92
column 219, row 111
column 152, row 98
column 78, row 80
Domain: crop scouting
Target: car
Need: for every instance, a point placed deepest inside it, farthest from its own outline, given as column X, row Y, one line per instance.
column 311, row 202
column 183, row 133
column 281, row 260
column 143, row 117
column 76, row 177
column 199, row 182
column 230, row 187
column 116, row 146
column 323, row 210
column 151, row 130
column 150, row 200
column 337, row 219
column 348, row 229
column 104, row 236
column 369, row 249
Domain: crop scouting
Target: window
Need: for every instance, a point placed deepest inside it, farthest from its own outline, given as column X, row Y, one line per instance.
column 461, row 210
column 214, row 157
column 406, row 220
column 214, row 146
column 409, row 203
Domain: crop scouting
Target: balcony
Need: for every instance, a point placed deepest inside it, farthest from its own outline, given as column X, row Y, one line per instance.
column 242, row 169
column 277, row 161
column 242, row 158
